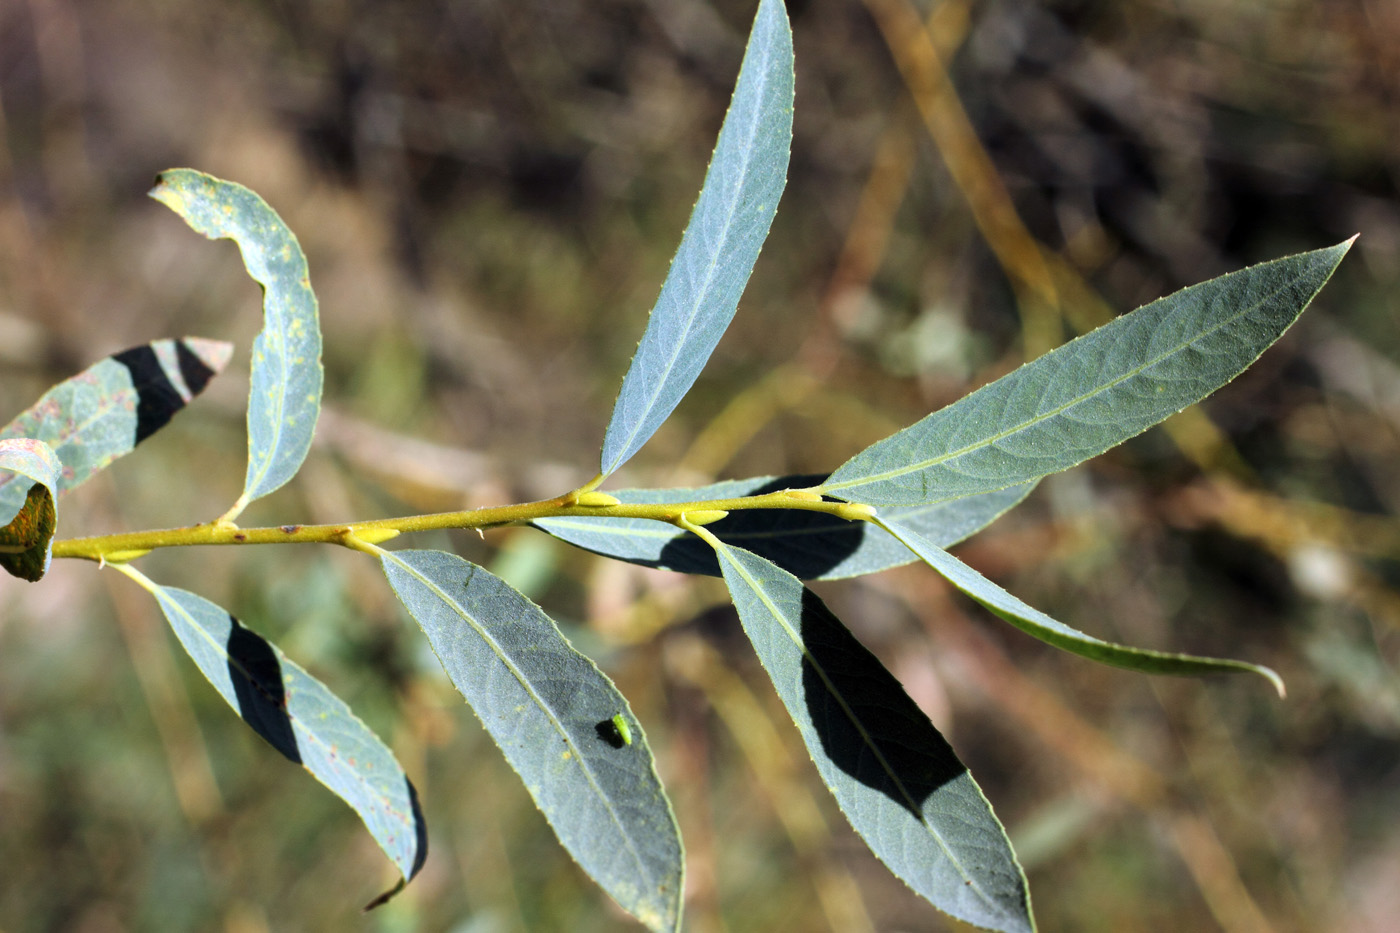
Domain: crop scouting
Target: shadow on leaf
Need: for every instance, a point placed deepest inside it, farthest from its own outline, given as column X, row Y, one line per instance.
column 805, row 544
column 868, row 726
column 259, row 686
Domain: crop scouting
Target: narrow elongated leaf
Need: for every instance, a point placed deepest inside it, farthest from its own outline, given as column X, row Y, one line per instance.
column 26, row 537
column 552, row 712
column 810, row 545
column 1034, row 622
column 110, row 407
column 300, row 717
column 721, row 243
column 895, row 777
column 284, row 400
column 1091, row 394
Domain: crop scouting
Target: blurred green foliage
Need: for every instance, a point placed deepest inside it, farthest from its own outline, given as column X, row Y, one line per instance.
column 489, row 194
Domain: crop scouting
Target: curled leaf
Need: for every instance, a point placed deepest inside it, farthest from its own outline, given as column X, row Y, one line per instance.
column 27, row 536
column 284, row 398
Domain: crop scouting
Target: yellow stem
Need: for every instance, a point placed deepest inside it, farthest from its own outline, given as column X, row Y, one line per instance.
column 118, row 548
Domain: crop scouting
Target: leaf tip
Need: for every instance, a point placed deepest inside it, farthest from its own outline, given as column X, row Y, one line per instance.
column 214, row 354
column 384, row 898
column 1344, row 247
column 1268, row 673
column 165, row 190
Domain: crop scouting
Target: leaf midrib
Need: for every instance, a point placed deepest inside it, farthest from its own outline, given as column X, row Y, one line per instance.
column 278, row 407
column 575, row 750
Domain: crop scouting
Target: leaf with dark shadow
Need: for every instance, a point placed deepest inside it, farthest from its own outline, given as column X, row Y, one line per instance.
column 893, row 775
column 810, row 545
column 300, row 717
column 100, row 414
column 256, row 674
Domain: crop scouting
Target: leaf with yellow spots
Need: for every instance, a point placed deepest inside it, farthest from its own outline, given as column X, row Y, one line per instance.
column 284, row 398
column 103, row 412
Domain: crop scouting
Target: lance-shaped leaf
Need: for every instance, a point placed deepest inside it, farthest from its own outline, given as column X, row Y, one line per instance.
column 810, row 545
column 26, row 527
column 895, row 777
column 300, row 717
column 721, row 243
column 1034, row 622
column 1091, row 394
column 284, row 398
column 110, row 407
column 552, row 712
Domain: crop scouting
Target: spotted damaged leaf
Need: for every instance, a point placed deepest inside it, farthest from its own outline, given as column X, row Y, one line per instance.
column 110, row 407
column 284, row 396
column 27, row 534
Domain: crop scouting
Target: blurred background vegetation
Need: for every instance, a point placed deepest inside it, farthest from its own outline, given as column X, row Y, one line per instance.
column 489, row 192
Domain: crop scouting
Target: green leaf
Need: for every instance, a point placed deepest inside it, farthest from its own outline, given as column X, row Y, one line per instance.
column 895, row 777
column 1037, row 623
column 811, row 545
column 1091, row 394
column 552, row 712
column 284, row 399
column 110, row 407
column 721, row 243
column 300, row 717
column 26, row 539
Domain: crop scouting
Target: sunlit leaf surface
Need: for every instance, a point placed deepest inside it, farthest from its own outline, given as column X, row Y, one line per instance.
column 552, row 712
column 727, row 228
column 300, row 717
column 1091, row 394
